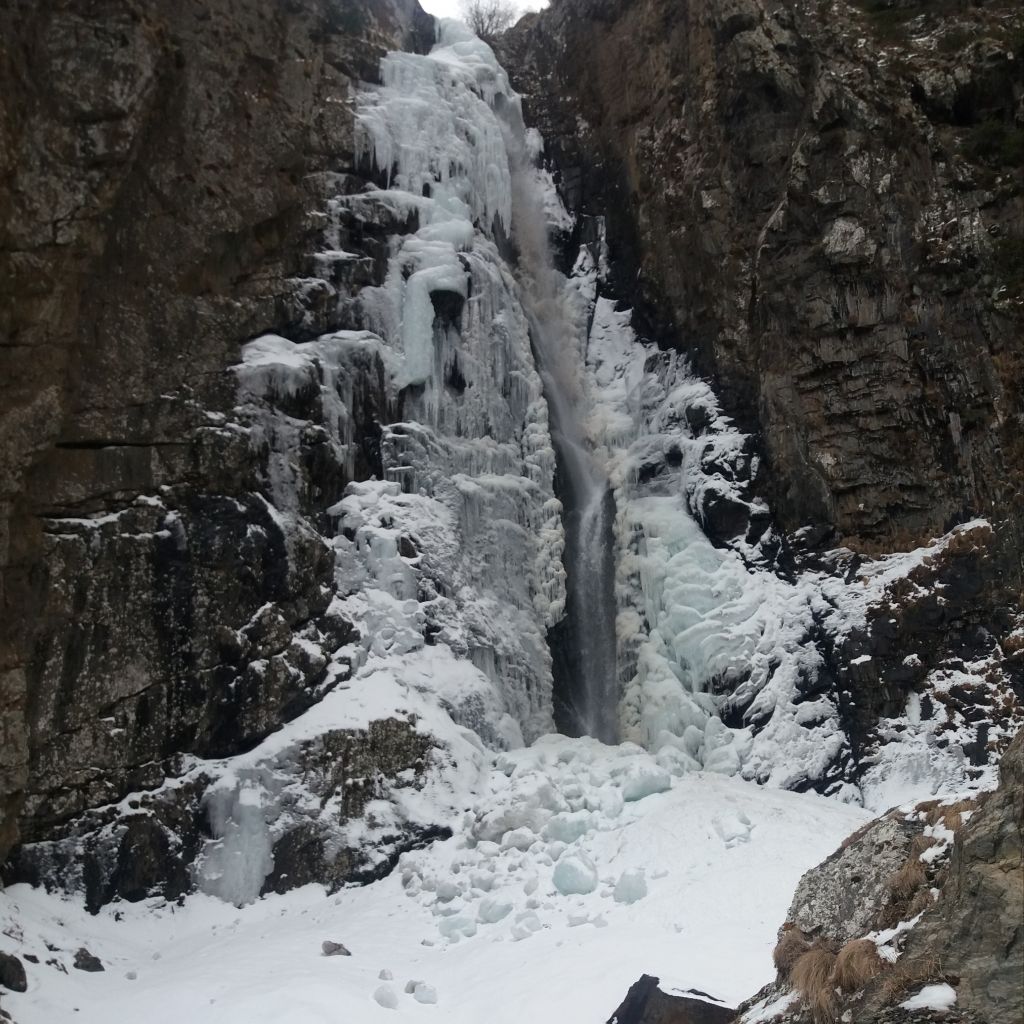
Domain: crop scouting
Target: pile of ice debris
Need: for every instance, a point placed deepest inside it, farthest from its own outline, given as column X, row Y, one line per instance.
column 574, row 860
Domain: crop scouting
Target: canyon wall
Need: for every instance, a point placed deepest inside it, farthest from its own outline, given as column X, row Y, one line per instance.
column 822, row 202
column 263, row 417
column 158, row 166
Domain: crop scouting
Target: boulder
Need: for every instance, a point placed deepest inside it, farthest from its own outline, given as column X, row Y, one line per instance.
column 646, row 1003
column 12, row 973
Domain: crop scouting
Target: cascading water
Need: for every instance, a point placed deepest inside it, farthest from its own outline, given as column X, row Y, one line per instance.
column 585, row 665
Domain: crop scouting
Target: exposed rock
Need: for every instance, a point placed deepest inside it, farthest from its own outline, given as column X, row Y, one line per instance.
column 954, row 610
column 786, row 197
column 330, row 948
column 645, row 1003
column 133, row 168
column 970, row 937
column 12, row 973
column 841, row 898
column 85, row 961
column 976, row 930
column 160, row 848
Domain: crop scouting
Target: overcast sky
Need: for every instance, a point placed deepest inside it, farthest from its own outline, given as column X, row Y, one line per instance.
column 451, row 8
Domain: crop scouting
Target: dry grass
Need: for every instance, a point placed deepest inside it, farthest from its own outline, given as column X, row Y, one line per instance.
column 853, row 837
column 906, row 974
column 950, row 815
column 922, row 901
column 919, row 844
column 857, row 963
column 791, row 946
column 903, row 888
column 905, row 883
column 812, row 978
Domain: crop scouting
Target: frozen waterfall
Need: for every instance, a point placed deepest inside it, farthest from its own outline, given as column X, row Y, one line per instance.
column 447, row 132
column 585, row 656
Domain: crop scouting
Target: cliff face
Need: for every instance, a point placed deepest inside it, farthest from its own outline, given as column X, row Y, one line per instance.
column 156, row 166
column 252, row 375
column 823, row 202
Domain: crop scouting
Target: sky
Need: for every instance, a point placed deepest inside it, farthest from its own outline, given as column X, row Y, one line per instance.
column 452, row 8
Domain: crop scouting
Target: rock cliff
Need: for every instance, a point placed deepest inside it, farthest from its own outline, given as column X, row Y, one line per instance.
column 158, row 164
column 255, row 368
column 928, row 901
column 823, row 201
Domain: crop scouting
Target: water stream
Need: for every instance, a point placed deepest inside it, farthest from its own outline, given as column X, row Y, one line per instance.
column 584, row 645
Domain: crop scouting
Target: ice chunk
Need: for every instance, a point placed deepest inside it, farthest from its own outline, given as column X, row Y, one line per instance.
column 447, row 890
column 645, row 779
column 386, row 996
column 424, row 993
column 483, row 880
column 575, row 873
column 525, row 925
column 456, row 927
column 568, row 827
column 518, row 839
column 493, row 908
column 493, row 825
column 631, row 886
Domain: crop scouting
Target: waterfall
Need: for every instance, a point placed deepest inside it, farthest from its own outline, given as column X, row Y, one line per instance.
column 585, row 662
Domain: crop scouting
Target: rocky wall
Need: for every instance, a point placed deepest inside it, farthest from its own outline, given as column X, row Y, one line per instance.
column 157, row 162
column 822, row 203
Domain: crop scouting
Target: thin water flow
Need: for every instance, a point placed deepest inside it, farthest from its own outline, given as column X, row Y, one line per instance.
column 586, row 678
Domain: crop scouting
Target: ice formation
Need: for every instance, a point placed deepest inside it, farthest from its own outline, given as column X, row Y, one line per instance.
column 486, row 376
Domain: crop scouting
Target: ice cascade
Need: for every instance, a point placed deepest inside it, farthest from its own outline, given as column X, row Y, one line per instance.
column 586, row 703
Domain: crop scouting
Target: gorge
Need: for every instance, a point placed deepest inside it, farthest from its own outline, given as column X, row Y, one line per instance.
column 464, row 500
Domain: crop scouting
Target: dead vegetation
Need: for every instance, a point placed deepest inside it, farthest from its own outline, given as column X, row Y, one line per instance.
column 903, row 888
column 950, row 815
column 822, row 977
column 811, row 977
column 791, row 946
column 856, row 964
column 910, row 877
column 907, row 974
column 923, row 900
column 855, row 837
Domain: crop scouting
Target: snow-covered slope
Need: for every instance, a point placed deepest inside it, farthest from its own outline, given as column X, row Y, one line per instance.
column 691, row 883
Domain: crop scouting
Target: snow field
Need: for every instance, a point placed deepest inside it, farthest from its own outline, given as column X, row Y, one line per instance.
column 483, row 925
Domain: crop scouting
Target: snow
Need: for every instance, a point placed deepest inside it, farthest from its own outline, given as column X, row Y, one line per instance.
column 917, row 757
column 522, row 948
column 932, row 997
column 769, row 1009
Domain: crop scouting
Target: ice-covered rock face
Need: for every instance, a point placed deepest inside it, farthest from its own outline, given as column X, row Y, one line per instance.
column 428, row 415
column 458, row 542
column 459, row 539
